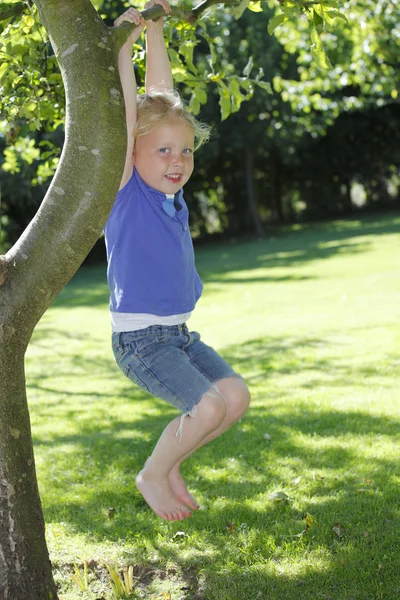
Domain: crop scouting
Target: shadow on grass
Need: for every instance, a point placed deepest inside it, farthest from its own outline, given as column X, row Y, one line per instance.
column 286, row 247
column 237, row 548
column 291, row 356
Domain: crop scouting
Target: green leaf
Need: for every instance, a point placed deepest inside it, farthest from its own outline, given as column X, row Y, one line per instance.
column 330, row 3
column 199, row 97
column 224, row 102
column 213, row 58
column 246, row 84
column 179, row 76
column 248, row 67
column 236, row 95
column 275, row 22
column 174, row 58
column 265, row 85
column 179, row 72
column 260, row 73
column 318, row 52
column 194, row 104
column 255, row 6
column 238, row 10
column 337, row 15
column 318, row 21
column 3, row 69
column 186, row 50
column 289, row 10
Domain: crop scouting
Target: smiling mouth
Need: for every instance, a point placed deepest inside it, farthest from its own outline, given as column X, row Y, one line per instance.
column 175, row 178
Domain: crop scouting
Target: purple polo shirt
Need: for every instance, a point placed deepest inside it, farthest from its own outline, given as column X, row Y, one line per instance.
column 150, row 255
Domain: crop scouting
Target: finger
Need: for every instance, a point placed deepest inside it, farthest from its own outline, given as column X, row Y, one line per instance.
column 165, row 5
column 135, row 15
column 126, row 19
column 123, row 19
column 131, row 15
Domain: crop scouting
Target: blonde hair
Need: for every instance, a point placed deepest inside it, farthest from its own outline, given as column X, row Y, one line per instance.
column 158, row 107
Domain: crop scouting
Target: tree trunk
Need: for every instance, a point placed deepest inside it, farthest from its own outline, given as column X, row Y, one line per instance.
column 251, row 192
column 347, row 201
column 277, row 185
column 43, row 260
column 25, row 570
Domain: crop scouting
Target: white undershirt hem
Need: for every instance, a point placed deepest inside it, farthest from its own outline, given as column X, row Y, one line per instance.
column 134, row 321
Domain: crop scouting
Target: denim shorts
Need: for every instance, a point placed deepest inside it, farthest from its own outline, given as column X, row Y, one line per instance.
column 170, row 362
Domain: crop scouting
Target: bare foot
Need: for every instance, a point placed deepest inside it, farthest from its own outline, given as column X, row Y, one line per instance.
column 180, row 490
column 160, row 497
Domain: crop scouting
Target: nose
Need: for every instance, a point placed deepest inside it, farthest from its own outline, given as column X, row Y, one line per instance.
column 177, row 159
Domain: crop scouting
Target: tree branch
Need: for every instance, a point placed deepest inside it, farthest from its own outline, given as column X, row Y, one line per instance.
column 203, row 6
column 122, row 32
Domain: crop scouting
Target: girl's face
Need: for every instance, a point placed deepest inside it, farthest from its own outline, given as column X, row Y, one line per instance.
column 164, row 157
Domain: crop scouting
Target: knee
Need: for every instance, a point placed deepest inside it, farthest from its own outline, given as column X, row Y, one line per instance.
column 213, row 407
column 237, row 398
column 242, row 402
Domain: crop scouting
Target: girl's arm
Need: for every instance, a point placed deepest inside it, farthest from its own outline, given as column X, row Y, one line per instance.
column 158, row 68
column 128, row 82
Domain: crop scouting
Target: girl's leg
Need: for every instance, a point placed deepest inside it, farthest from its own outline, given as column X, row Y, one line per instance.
column 237, row 399
column 152, row 481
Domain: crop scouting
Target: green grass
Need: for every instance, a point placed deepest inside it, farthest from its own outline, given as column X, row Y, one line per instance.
column 310, row 317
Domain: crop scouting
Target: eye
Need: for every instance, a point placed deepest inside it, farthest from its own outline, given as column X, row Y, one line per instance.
column 164, row 150
column 188, row 151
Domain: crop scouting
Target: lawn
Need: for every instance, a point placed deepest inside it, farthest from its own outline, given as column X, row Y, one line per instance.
column 300, row 499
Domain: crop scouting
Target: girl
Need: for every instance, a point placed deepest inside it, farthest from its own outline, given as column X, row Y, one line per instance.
column 153, row 281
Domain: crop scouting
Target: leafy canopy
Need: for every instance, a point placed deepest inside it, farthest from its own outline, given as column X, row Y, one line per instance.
column 31, row 89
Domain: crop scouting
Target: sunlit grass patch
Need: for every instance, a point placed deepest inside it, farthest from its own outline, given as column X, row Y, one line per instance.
column 300, row 499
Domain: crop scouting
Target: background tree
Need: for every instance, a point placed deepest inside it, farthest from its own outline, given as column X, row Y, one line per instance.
column 218, row 73
column 306, row 161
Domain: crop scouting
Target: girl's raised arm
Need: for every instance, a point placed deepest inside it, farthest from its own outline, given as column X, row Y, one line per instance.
column 158, row 68
column 128, row 82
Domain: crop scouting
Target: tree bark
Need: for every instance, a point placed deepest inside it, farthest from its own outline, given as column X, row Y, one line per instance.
column 25, row 570
column 44, row 259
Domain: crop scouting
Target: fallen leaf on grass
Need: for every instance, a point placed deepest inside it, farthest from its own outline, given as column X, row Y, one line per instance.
column 338, row 530
column 279, row 497
column 317, row 476
column 180, row 535
column 230, row 526
column 111, row 512
column 309, row 519
column 367, row 481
